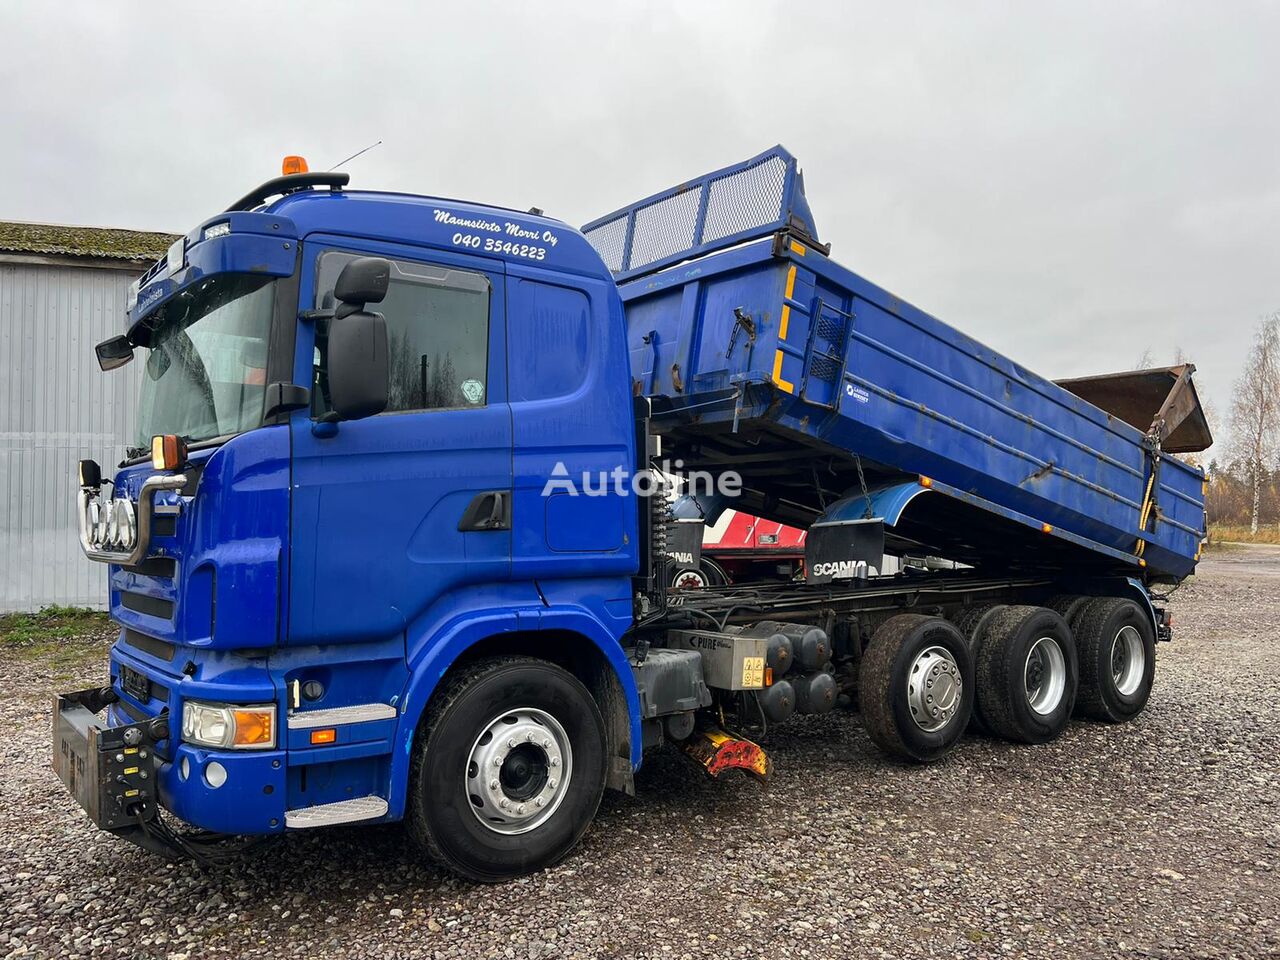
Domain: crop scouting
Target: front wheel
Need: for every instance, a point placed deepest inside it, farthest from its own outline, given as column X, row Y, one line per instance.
column 508, row 769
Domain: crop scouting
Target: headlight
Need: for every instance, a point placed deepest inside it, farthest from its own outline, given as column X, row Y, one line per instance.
column 229, row 727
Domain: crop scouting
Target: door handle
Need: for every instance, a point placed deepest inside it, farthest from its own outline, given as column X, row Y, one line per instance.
column 490, row 510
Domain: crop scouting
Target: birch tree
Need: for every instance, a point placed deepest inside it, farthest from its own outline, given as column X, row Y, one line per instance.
column 1255, row 410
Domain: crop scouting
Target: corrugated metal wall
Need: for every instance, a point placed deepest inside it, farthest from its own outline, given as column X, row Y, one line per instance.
column 56, row 408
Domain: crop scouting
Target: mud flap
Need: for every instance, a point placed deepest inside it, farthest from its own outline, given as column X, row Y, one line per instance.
column 843, row 550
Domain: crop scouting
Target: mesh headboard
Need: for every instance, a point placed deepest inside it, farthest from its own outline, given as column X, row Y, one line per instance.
column 750, row 199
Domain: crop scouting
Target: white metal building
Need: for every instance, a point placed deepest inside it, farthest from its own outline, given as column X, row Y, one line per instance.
column 62, row 290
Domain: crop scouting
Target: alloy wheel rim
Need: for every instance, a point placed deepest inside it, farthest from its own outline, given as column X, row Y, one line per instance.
column 934, row 688
column 518, row 770
column 1044, row 676
column 1128, row 660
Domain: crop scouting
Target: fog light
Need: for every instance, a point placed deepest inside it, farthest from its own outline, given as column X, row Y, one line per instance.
column 184, row 768
column 215, row 774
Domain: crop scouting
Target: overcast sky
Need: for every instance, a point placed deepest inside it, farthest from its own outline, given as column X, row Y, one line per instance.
column 1071, row 183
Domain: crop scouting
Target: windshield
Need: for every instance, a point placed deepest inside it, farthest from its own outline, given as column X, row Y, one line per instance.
column 206, row 360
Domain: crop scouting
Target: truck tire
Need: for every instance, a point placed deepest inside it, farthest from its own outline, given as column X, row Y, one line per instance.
column 1117, row 651
column 1069, row 606
column 915, row 687
column 487, row 809
column 1026, row 675
column 972, row 622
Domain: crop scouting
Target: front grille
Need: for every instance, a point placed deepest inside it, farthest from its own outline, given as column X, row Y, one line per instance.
column 162, row 567
column 161, row 649
column 151, row 606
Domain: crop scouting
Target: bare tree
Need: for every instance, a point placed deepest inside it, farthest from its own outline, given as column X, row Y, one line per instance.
column 1255, row 410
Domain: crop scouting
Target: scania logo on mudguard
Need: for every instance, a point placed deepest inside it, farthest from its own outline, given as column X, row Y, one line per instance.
column 840, row 569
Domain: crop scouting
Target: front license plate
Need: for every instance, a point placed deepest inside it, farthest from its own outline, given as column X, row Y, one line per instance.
column 135, row 684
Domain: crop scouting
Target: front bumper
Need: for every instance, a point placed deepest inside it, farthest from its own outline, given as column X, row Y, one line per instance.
column 116, row 771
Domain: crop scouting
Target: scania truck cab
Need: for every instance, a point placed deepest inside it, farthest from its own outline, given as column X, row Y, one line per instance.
column 375, row 553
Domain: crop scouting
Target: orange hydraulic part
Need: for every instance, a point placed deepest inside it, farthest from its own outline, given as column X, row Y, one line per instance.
column 719, row 752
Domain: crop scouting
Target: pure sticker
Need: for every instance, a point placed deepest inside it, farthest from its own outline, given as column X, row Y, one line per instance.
column 473, row 390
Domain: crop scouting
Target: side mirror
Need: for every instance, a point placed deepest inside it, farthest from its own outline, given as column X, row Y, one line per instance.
column 113, row 353
column 362, row 281
column 358, row 367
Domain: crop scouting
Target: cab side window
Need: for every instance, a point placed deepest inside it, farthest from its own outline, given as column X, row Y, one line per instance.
column 437, row 335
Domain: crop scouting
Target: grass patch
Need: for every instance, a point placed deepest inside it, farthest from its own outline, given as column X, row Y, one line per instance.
column 64, row 643
column 1267, row 533
column 51, row 627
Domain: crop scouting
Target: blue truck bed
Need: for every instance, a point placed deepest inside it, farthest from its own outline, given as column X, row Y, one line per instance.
column 764, row 355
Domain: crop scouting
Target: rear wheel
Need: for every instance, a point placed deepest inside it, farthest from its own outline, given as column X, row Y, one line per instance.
column 972, row 621
column 1117, row 653
column 915, row 687
column 1026, row 674
column 509, row 769
column 1069, row 607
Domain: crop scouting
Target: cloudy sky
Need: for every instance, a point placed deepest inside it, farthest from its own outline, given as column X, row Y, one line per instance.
column 1073, row 184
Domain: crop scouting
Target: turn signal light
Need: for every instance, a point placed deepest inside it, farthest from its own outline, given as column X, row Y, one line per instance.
column 293, row 164
column 168, row 452
column 1046, row 528
column 926, row 482
column 253, row 728
column 327, row 735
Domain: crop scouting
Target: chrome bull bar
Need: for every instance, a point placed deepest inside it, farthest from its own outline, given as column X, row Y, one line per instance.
column 141, row 540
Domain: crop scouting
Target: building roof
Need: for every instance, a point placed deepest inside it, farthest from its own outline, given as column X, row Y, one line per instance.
column 140, row 246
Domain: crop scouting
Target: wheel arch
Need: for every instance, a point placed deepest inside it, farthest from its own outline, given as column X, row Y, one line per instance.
column 572, row 639
column 1135, row 591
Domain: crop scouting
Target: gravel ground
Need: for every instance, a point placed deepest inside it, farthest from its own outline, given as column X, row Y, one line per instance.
column 1154, row 839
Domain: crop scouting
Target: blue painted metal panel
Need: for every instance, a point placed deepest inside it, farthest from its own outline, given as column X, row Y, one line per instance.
column 841, row 364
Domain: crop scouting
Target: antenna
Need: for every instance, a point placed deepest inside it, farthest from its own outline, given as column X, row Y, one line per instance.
column 354, row 155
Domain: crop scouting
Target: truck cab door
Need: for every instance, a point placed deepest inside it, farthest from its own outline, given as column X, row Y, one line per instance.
column 397, row 512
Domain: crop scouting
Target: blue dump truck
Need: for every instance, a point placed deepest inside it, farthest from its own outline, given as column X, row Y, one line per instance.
column 415, row 481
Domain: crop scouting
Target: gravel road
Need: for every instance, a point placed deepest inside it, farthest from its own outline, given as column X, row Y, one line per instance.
column 1157, row 839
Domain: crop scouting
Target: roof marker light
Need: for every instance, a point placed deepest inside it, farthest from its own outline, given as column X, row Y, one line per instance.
column 293, row 164
column 220, row 229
